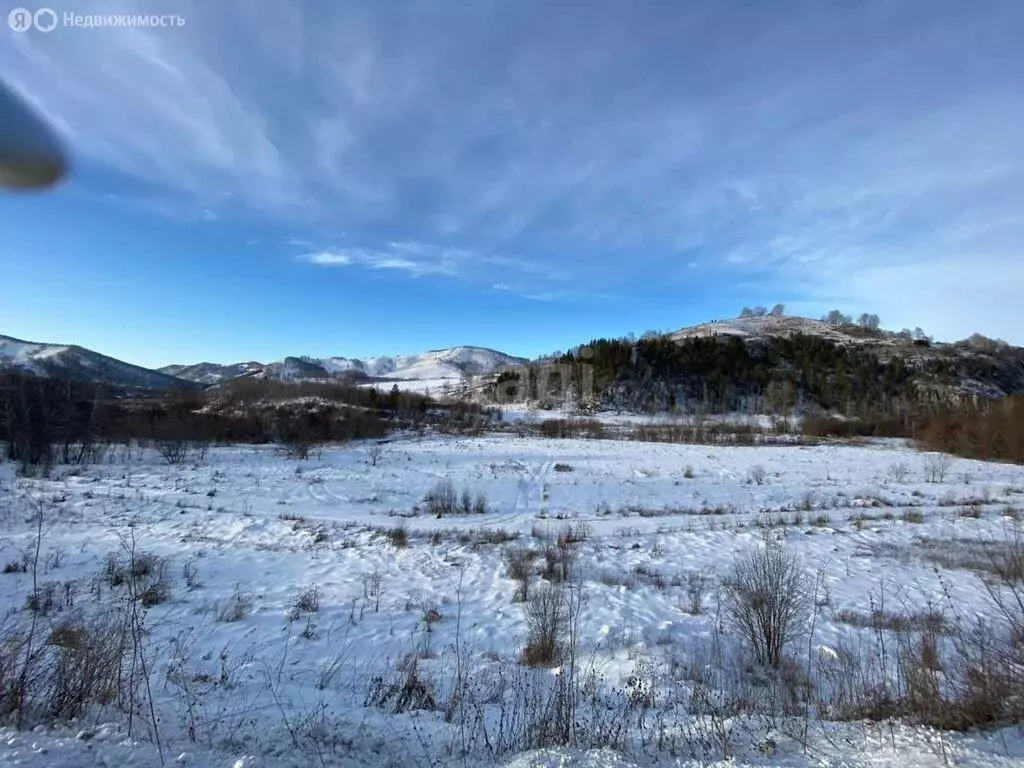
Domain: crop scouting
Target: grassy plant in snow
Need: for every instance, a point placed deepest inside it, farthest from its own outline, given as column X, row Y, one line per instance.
column 238, row 606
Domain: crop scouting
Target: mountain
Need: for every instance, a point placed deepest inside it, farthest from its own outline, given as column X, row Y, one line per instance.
column 76, row 363
column 435, row 365
column 211, row 373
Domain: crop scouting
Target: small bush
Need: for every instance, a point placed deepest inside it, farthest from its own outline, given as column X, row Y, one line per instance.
column 758, row 475
column 411, row 692
column 237, row 607
column 190, row 573
column 398, row 536
column 898, row 472
column 442, row 499
column 309, row 600
column 558, row 563
column 519, row 563
column 546, row 618
column 480, row 504
column 696, row 583
column 173, row 451
column 44, row 599
column 970, row 510
column 573, row 534
column 767, row 600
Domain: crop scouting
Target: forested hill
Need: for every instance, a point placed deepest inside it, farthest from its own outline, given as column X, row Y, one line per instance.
column 768, row 365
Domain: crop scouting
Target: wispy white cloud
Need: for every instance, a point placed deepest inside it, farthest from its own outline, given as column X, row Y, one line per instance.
column 430, row 263
column 328, row 259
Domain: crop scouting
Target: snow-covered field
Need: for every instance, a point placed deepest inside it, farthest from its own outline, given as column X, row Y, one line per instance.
column 244, row 672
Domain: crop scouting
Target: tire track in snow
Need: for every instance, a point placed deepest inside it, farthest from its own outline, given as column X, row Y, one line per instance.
column 531, row 487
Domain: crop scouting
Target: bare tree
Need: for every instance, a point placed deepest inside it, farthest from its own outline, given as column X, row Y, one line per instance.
column 835, row 317
column 778, row 310
column 869, row 322
column 374, row 453
column 935, row 468
column 767, row 599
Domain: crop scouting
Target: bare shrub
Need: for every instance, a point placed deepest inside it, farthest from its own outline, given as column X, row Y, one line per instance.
column 442, row 499
column 145, row 574
column 495, row 536
column 398, row 536
column 373, row 588
column 696, row 583
column 237, row 607
column 546, row 616
column 970, row 510
column 173, row 451
column 411, row 691
column 898, row 472
column 89, row 665
column 154, row 594
column 935, row 467
column 559, row 560
column 308, row 600
column 519, row 562
column 429, row 613
column 480, row 504
column 758, row 474
column 375, row 453
column 767, row 599
column 190, row 573
column 82, row 663
column 573, row 534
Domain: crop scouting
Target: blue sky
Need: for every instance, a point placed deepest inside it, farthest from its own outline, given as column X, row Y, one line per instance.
column 364, row 178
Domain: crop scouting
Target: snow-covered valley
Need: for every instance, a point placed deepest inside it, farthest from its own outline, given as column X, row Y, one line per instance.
column 312, row 612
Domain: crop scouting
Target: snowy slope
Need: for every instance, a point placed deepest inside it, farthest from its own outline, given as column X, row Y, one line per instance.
column 211, row 373
column 438, row 364
column 80, row 364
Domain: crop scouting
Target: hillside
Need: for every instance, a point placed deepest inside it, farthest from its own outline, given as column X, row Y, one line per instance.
column 79, row 364
column 767, row 364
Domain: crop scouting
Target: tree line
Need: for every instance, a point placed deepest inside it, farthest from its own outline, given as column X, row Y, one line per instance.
column 48, row 420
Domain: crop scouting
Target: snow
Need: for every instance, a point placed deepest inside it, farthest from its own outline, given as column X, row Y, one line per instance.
column 249, row 517
column 24, row 354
